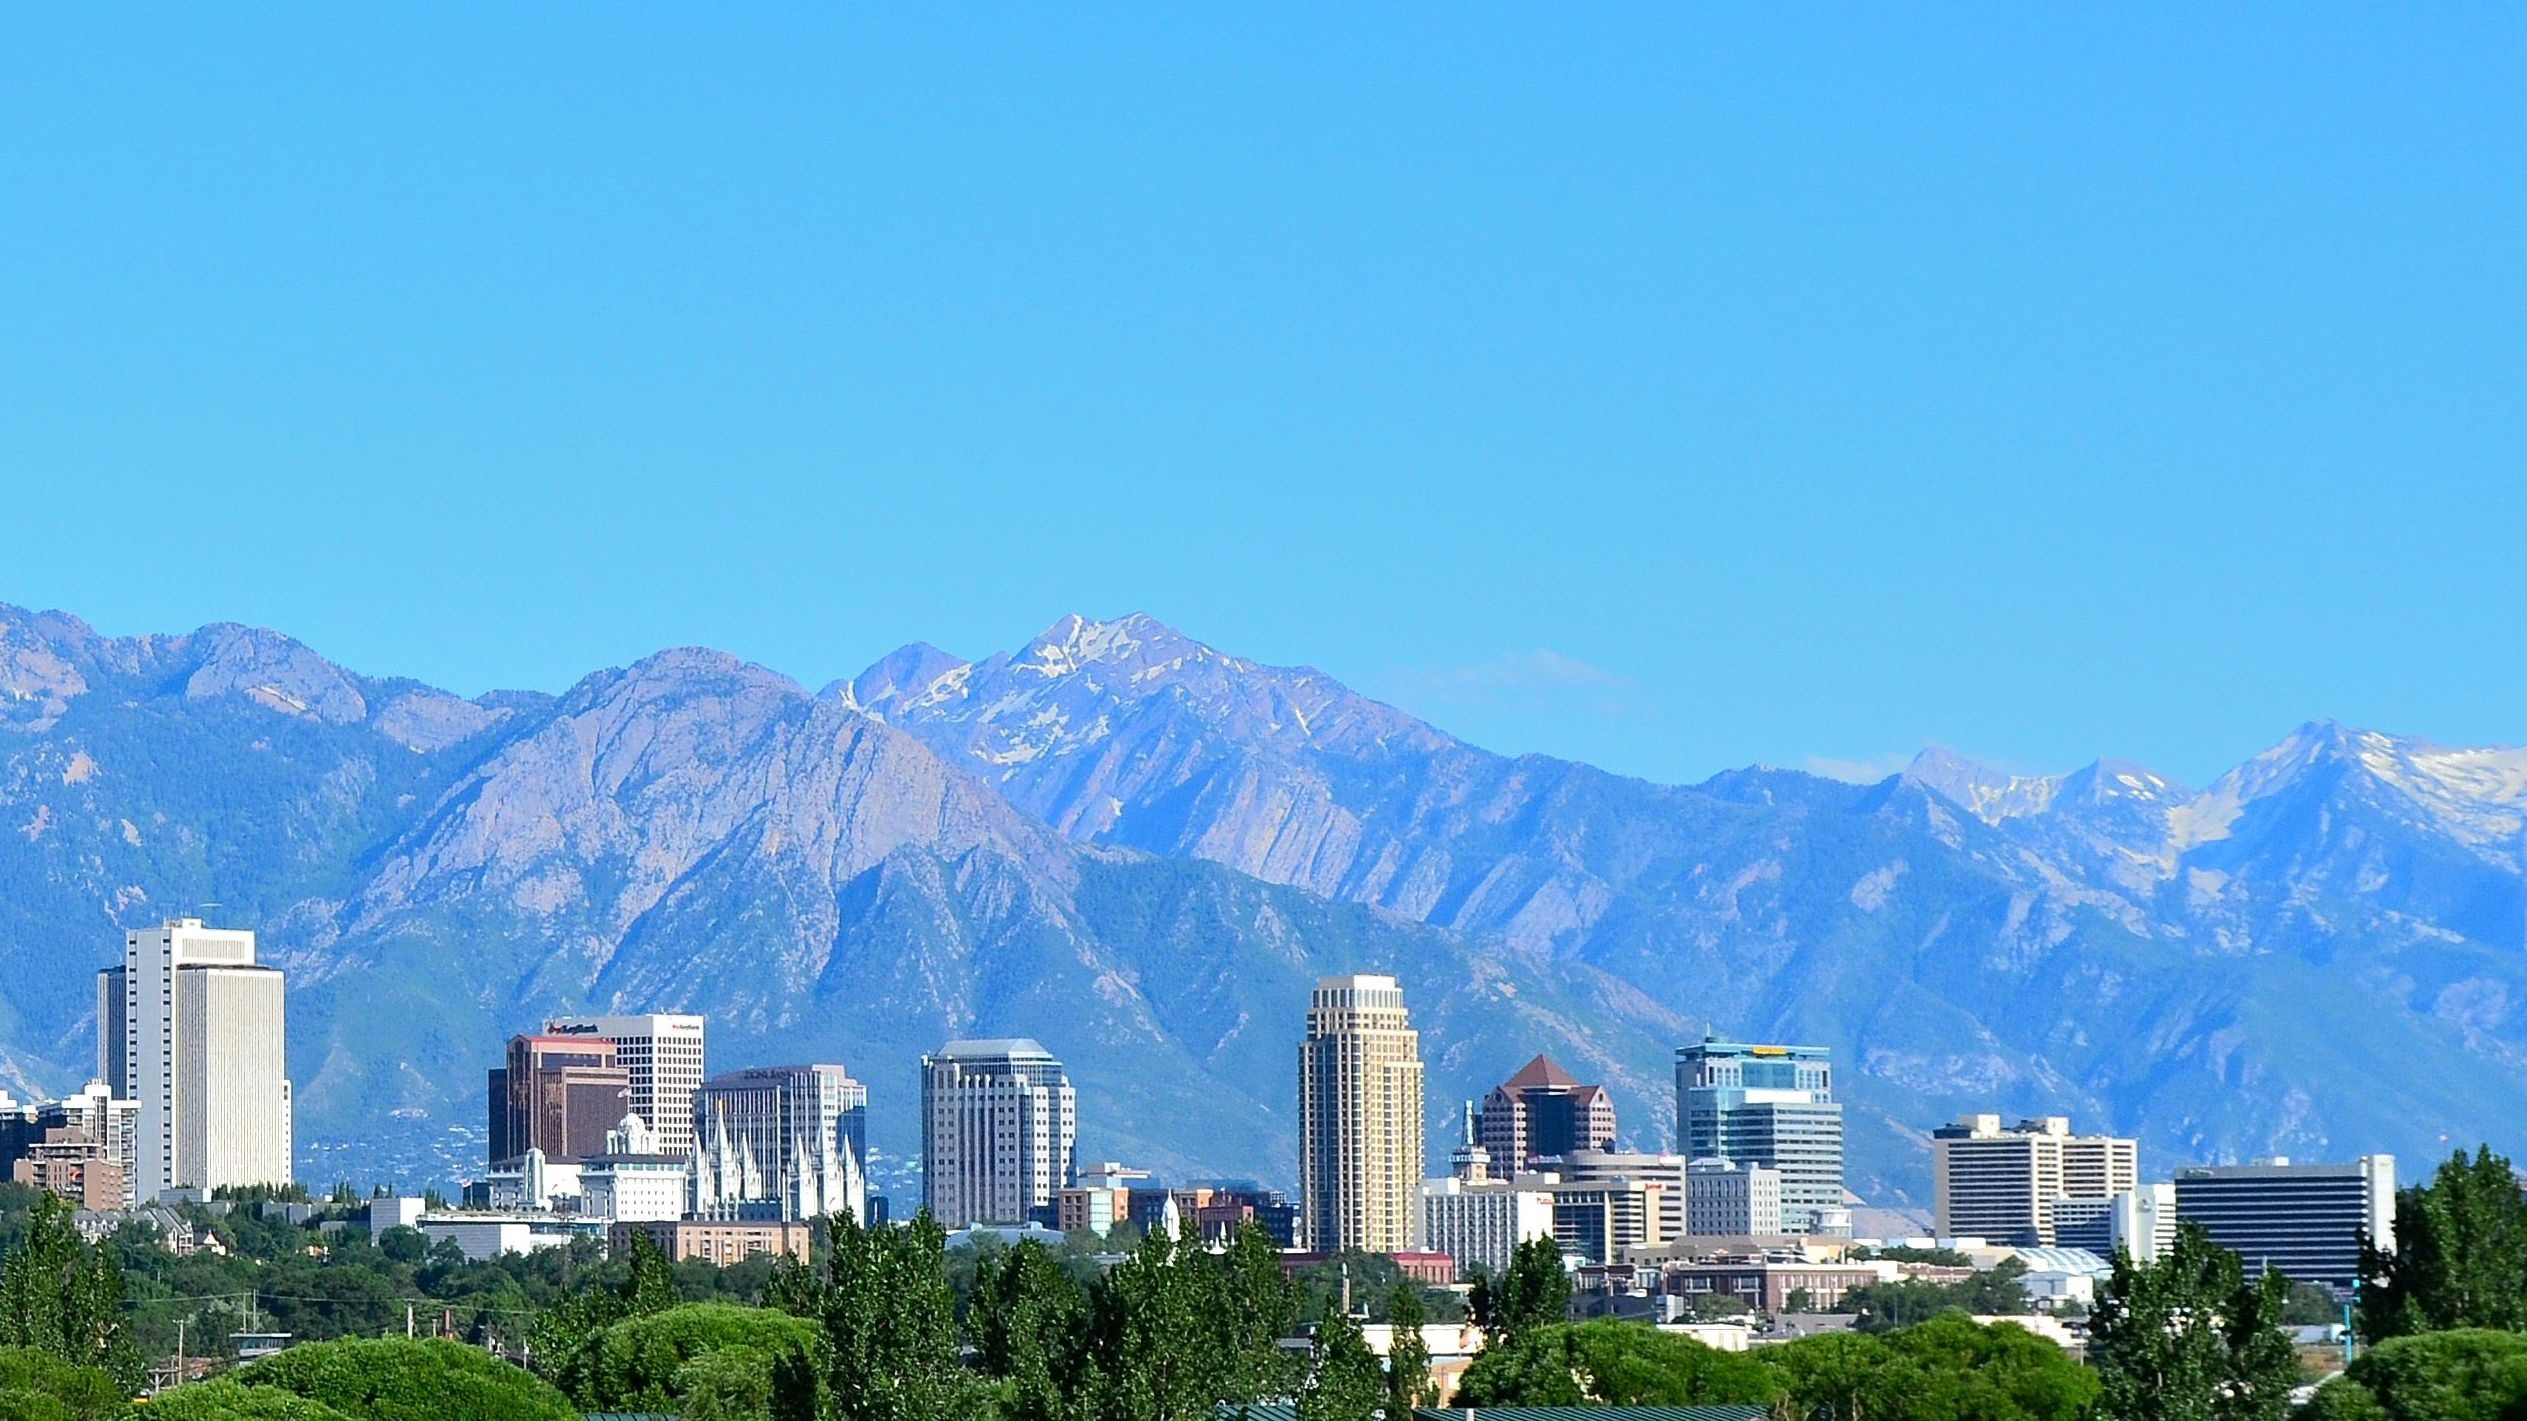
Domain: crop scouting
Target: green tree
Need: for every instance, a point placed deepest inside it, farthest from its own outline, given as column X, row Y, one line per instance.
column 562, row 1339
column 2468, row 1374
column 1529, row 1368
column 39, row 1384
column 1027, row 1321
column 1996, row 1291
column 1534, row 1291
column 1632, row 1364
column 732, row 1384
column 2189, row 1339
column 1258, row 1308
column 1343, row 1381
column 409, row 1379
column 652, row 1285
column 2460, row 1257
column 1408, row 1356
column 1948, row 1368
column 1833, row 1376
column 1153, row 1329
column 225, row 1399
column 889, row 1319
column 62, row 1296
column 640, row 1363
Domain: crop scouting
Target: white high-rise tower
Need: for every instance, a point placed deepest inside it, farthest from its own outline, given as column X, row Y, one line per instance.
column 202, row 1029
column 999, row 1132
column 662, row 1053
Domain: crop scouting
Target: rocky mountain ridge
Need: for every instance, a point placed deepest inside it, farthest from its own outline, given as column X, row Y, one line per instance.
column 1141, row 849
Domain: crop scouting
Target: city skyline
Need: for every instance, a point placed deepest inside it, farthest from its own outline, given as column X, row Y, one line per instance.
column 2018, row 1180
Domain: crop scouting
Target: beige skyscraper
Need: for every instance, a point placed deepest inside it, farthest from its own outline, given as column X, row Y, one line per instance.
column 1360, row 1120
column 201, row 1024
column 2003, row 1184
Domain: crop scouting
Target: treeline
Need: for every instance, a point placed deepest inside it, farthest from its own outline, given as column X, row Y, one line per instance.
column 2445, row 1314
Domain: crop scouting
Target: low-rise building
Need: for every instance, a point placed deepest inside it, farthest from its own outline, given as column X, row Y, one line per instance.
column 82, row 1170
column 1765, row 1284
column 1231, row 1206
column 716, row 1240
column 1598, row 1221
column 1096, row 1210
column 1435, row 1270
column 395, row 1213
column 485, row 1233
column 633, row 1188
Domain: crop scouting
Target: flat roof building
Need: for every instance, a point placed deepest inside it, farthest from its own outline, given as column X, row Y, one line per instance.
column 2004, row 1183
column 201, row 1052
column 1772, row 1106
column 999, row 1132
column 1360, row 1118
column 559, row 1094
column 662, row 1055
column 2305, row 1221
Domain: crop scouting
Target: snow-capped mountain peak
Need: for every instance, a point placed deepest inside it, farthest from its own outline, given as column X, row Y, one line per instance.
column 1988, row 794
column 1139, row 644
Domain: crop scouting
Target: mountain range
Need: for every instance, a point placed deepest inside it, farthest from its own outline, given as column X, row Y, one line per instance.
column 1142, row 850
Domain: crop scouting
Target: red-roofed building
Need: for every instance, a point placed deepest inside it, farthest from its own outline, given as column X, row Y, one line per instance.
column 1544, row 1112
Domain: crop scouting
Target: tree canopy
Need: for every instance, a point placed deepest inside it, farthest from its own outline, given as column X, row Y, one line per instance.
column 647, row 1362
column 38, row 1384
column 2461, row 1254
column 2188, row 1338
column 226, row 1399
column 1533, row 1291
column 409, row 1379
column 1947, row 1368
column 60, row 1296
column 2469, row 1374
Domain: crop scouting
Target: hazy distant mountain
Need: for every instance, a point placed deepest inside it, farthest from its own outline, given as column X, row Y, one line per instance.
column 2321, row 954
column 1141, row 850
column 690, row 833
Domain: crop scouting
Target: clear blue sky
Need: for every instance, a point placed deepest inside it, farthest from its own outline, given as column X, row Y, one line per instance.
column 1674, row 389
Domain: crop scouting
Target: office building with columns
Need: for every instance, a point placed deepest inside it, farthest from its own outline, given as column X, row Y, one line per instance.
column 999, row 1132
column 1361, row 1147
column 201, row 1054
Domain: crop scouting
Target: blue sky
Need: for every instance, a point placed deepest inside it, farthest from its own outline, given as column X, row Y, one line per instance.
column 1671, row 388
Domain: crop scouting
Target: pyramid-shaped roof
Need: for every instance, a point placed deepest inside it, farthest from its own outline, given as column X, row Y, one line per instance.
column 1542, row 1073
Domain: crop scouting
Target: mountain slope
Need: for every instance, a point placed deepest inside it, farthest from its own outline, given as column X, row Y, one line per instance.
column 689, row 833
column 2205, row 968
column 1142, row 850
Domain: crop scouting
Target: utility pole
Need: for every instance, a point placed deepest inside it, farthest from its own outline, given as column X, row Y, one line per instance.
column 408, row 1319
column 179, row 1350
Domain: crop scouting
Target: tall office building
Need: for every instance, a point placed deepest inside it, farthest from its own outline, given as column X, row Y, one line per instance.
column 113, row 1046
column 2006, row 1184
column 999, row 1132
column 202, row 1056
column 780, row 1142
column 1360, row 1118
column 1544, row 1112
column 558, row 1094
column 1767, row 1105
column 2304, row 1220
column 661, row 1054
